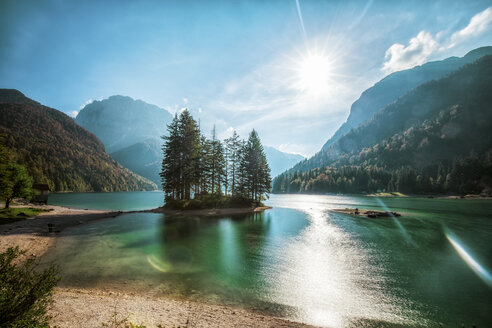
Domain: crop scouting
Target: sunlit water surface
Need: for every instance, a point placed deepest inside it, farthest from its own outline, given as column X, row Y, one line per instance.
column 299, row 260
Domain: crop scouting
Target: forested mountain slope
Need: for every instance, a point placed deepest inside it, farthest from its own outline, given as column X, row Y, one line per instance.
column 434, row 139
column 57, row 151
column 398, row 84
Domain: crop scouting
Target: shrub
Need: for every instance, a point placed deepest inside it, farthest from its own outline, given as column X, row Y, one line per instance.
column 25, row 293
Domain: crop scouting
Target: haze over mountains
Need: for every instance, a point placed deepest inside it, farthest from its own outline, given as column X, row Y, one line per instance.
column 57, row 151
column 120, row 121
column 131, row 131
column 435, row 138
column 280, row 161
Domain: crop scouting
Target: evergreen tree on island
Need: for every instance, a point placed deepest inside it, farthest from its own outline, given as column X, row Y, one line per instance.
column 201, row 173
column 255, row 180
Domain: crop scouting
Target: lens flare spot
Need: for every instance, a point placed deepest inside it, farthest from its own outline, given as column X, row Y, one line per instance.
column 158, row 264
column 469, row 260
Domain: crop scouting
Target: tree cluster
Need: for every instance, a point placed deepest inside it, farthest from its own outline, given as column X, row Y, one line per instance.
column 14, row 179
column 195, row 165
column 465, row 175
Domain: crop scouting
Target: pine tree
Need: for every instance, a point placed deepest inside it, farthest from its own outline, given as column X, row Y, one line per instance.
column 181, row 167
column 16, row 182
column 217, row 164
column 233, row 148
column 171, row 164
column 255, row 180
column 205, row 166
column 191, row 153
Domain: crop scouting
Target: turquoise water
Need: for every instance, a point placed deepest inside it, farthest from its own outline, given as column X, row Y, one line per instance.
column 123, row 201
column 303, row 262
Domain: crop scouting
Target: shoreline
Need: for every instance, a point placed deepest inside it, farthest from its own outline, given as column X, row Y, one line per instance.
column 208, row 211
column 95, row 306
column 386, row 195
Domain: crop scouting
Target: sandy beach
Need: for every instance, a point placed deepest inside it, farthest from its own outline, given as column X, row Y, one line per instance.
column 87, row 307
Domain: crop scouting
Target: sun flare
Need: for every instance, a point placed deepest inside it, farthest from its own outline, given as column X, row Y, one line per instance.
column 314, row 74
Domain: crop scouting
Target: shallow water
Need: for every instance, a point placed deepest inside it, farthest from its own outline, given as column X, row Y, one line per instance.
column 303, row 262
column 123, row 201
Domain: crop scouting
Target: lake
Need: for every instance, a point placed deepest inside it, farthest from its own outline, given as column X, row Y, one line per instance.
column 119, row 201
column 298, row 260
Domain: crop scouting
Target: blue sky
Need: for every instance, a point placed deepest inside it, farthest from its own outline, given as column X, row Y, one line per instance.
column 290, row 69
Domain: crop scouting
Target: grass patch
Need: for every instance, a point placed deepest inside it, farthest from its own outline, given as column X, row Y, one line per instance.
column 13, row 214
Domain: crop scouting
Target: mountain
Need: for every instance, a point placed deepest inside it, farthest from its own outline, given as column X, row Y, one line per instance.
column 131, row 130
column 280, row 161
column 434, row 139
column 121, row 121
column 144, row 158
column 398, row 84
column 57, row 151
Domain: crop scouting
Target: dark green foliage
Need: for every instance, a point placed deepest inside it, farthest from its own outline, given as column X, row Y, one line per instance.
column 196, row 167
column 255, row 179
column 15, row 183
column 469, row 175
column 182, row 158
column 233, row 161
column 25, row 293
column 433, row 140
column 57, row 151
column 216, row 165
column 14, row 179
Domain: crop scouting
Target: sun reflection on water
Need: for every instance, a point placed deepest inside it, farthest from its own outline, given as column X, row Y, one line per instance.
column 326, row 275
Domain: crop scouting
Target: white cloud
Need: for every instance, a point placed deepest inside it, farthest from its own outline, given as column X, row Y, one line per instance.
column 425, row 45
column 420, row 47
column 479, row 24
column 87, row 102
column 185, row 100
column 73, row 113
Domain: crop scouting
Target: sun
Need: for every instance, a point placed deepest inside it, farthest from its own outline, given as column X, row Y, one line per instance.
column 314, row 72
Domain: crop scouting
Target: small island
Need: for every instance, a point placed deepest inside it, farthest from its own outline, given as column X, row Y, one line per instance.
column 203, row 176
column 372, row 214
